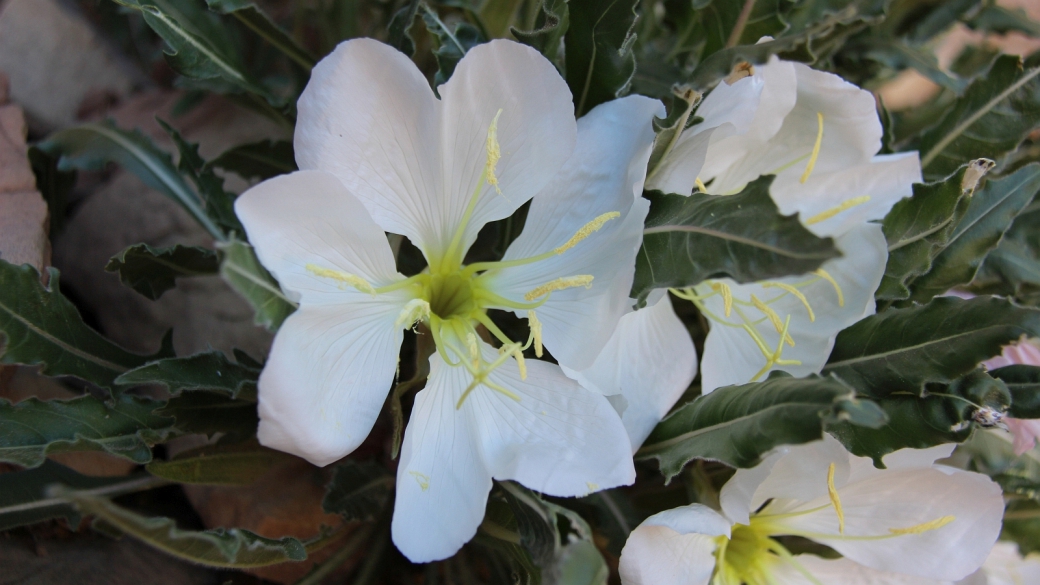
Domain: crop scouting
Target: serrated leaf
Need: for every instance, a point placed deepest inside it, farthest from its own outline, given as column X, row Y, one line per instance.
column 943, row 416
column 720, row 20
column 989, row 214
column 231, row 465
column 208, row 413
column 451, row 44
column 599, row 58
column 260, row 23
column 54, row 185
column 738, row 425
column 243, row 271
column 233, row 548
column 92, row 146
column 126, row 427
column 258, row 160
column 220, row 204
column 39, row 326
column 1024, row 384
column 1000, row 20
column 358, row 491
column 153, row 271
column 399, row 31
column 903, row 350
column 551, row 25
column 211, row 371
column 690, row 239
column 994, row 115
column 670, row 129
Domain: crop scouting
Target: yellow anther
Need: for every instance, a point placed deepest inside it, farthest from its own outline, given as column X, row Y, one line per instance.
column 825, row 215
column 560, row 284
column 837, row 289
column 518, row 355
column 701, row 185
column 925, row 527
column 416, row 310
column 816, row 147
column 740, row 71
column 773, row 318
column 422, row 479
column 587, row 230
column 833, row 493
column 345, row 277
column 592, row 486
column 494, row 153
column 536, row 332
column 727, row 296
column 772, row 359
column 797, row 294
column 474, row 350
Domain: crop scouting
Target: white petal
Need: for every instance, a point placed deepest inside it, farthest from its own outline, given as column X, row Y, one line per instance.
column 674, row 547
column 841, row 572
column 731, row 355
column 1006, row 566
column 369, row 117
column 885, row 180
column 309, row 218
column 442, row 479
column 604, row 175
column 650, row 360
column 327, row 377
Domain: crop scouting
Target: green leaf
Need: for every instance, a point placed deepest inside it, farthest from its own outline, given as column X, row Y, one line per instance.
column 243, row 271
column 152, row 271
column 722, row 26
column 127, row 427
column 208, row 413
column 582, row 564
column 690, row 239
column 220, row 204
column 919, row 228
column 903, row 350
column 451, row 44
column 54, row 184
column 550, row 26
column 197, row 54
column 211, row 371
column 945, row 415
column 897, row 54
column 260, row 23
column 258, row 160
column 598, row 51
column 92, row 146
column 400, row 29
column 497, row 16
column 1024, row 384
column 995, row 114
column 668, row 130
column 738, row 425
column 24, row 498
column 232, row 465
column 358, row 491
column 1000, row 20
column 39, row 326
column 233, row 548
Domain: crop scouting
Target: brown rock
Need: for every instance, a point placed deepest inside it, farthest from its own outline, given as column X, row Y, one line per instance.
column 23, row 229
column 15, row 172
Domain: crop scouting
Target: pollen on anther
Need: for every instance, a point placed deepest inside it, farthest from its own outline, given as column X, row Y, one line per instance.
column 924, row 526
column 560, row 284
column 587, row 230
column 773, row 318
column 345, row 277
column 816, row 148
column 832, row 491
column 494, row 153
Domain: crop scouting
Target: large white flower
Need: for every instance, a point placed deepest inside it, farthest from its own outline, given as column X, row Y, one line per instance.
column 915, row 518
column 380, row 153
column 1006, row 566
column 819, row 135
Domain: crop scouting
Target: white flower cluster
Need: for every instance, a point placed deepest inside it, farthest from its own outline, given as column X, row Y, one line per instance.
column 380, row 152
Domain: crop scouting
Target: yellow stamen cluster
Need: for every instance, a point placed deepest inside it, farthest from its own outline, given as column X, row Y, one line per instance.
column 773, row 318
column 727, row 296
column 536, row 332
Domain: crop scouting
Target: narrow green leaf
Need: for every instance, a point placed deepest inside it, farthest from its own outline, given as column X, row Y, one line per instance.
column 358, row 491
column 452, row 44
column 670, row 129
column 258, row 160
column 54, row 184
column 690, row 239
column 497, row 16
column 39, row 326
column 1000, row 20
column 599, row 57
column 211, row 371
column 233, row 465
column 902, row 350
column 995, row 114
column 260, row 23
column 246, row 275
column 738, row 425
column 550, row 26
column 208, row 413
column 1024, row 384
column 723, row 27
column 92, row 146
column 153, row 271
column 127, row 427
column 220, row 204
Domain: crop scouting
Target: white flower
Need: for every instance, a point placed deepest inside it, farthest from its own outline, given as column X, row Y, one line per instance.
column 1006, row 566
column 818, row 134
column 915, row 518
column 380, row 153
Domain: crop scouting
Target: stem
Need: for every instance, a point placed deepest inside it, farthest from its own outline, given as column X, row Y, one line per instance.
column 138, row 484
column 742, row 20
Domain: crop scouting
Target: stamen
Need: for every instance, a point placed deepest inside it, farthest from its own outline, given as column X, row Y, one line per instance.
column 833, row 493
column 422, row 479
column 727, row 296
column 773, row 317
column 536, row 332
column 494, row 153
column 837, row 289
column 825, row 215
column 345, row 277
column 560, row 284
column 518, row 355
column 481, row 377
column 794, row 291
column 474, row 349
column 416, row 310
column 925, row 527
column 700, row 185
column 587, row 230
column 816, row 148
column 740, row 71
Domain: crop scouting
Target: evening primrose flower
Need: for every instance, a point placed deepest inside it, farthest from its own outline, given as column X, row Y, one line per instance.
column 1006, row 566
column 379, row 152
column 1026, row 352
column 819, row 136
column 915, row 518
